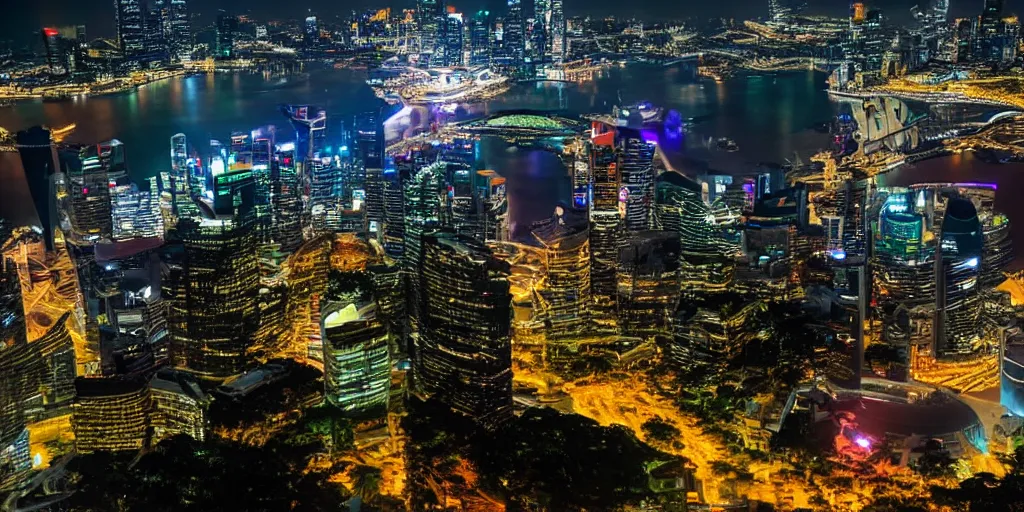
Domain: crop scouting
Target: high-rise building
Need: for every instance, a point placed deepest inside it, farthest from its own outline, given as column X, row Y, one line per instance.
column 514, row 35
column 157, row 21
column 179, row 406
column 957, row 291
column 422, row 212
column 180, row 32
column 130, row 26
column 286, row 200
column 212, row 287
column 111, row 414
column 227, row 27
column 430, row 19
column 357, row 364
column 463, row 355
column 480, row 39
column 91, row 172
column 557, row 29
column 310, row 125
column 637, row 175
column 566, row 294
column 453, row 39
column 541, row 31
column 36, row 152
column 135, row 213
column 18, row 376
column 58, row 52
column 649, row 283
column 311, row 33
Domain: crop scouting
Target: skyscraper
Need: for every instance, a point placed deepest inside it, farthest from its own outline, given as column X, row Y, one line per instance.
column 430, row 19
column 480, row 39
column 453, row 39
column 36, row 152
column 157, row 21
column 463, row 355
column 566, row 294
column 180, row 32
column 514, row 35
column 91, row 170
column 557, row 32
column 130, row 26
column 311, row 33
column 637, row 161
column 212, row 288
column 227, row 26
column 957, row 293
column 357, row 365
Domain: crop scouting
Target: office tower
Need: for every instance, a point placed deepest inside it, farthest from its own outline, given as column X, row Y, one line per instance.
column 480, row 39
column 957, row 293
column 90, row 171
column 370, row 139
column 19, row 379
column 111, row 414
column 357, row 365
column 680, row 208
column 463, row 355
column 998, row 249
column 903, row 262
column 326, row 196
column 286, row 200
column 964, row 39
column 58, row 54
column 637, row 175
column 129, row 23
column 157, row 27
column 453, row 39
column 429, row 18
column 565, row 296
column 180, row 32
column 422, row 215
column 541, row 30
column 135, row 213
column 212, row 288
column 389, row 292
column 649, row 283
column 392, row 226
column 493, row 205
column 514, row 34
column 179, row 406
column 310, row 125
column 36, row 152
column 311, row 34
column 605, row 222
column 227, row 26
column 556, row 32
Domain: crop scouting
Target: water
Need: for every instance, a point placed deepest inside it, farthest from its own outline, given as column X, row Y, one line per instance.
column 770, row 117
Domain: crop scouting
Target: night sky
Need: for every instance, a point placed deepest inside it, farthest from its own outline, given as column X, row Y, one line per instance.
column 22, row 18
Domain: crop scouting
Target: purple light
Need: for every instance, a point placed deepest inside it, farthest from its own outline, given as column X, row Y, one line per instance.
column 862, row 442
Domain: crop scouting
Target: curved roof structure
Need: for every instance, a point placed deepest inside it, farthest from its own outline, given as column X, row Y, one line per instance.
column 524, row 122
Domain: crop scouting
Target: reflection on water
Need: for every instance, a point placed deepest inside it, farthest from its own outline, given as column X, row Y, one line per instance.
column 770, row 117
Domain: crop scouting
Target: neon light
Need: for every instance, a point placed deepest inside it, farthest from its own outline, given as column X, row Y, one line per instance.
column 863, row 442
column 973, row 262
column 50, row 32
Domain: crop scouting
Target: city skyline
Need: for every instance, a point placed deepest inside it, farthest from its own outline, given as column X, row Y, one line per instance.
column 514, row 259
column 97, row 14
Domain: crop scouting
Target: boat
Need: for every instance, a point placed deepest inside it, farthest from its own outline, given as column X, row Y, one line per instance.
column 727, row 144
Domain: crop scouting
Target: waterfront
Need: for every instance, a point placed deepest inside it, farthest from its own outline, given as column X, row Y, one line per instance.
column 771, row 118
